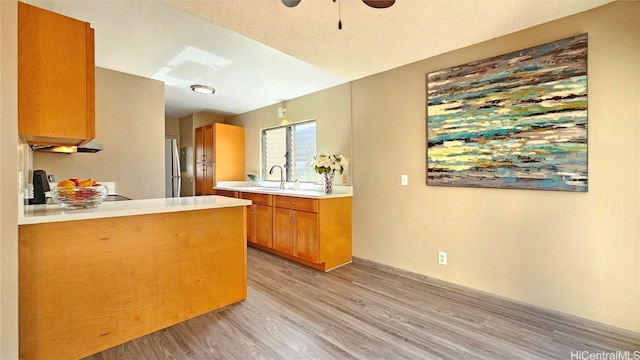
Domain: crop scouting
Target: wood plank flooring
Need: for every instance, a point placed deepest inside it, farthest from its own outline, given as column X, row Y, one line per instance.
column 367, row 311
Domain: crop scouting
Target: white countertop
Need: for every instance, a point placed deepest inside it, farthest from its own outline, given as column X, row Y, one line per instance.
column 305, row 191
column 36, row 214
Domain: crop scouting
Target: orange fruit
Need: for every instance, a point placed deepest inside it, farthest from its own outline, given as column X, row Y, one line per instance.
column 66, row 183
column 88, row 182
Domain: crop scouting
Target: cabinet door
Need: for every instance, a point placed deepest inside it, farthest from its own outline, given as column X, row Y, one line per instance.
column 204, row 179
column 204, row 143
column 56, row 78
column 198, row 169
column 306, row 236
column 210, row 165
column 251, row 224
column 283, row 233
column 204, row 166
column 208, row 140
column 199, row 156
column 209, row 183
column 263, row 225
column 199, row 175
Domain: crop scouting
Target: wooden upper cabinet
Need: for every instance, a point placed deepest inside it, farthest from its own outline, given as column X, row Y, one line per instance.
column 56, row 78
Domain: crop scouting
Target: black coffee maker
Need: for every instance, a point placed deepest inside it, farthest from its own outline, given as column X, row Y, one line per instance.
column 40, row 186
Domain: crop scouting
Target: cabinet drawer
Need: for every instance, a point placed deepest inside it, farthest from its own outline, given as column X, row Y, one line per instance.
column 227, row 193
column 296, row 203
column 260, row 199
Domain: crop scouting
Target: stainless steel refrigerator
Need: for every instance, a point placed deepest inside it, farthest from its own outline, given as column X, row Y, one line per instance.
column 172, row 168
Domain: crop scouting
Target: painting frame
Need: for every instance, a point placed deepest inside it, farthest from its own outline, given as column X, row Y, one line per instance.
column 512, row 121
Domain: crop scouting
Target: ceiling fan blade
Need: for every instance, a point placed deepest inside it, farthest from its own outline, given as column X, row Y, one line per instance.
column 290, row 3
column 378, row 4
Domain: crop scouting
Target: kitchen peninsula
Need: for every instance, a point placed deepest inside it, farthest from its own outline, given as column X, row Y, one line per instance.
column 91, row 279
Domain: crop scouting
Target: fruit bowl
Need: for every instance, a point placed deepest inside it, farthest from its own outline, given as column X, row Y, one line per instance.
column 79, row 197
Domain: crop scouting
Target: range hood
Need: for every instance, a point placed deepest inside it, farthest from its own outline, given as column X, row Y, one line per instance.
column 90, row 147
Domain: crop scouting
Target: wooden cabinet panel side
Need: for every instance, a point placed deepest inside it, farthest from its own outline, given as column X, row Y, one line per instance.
column 88, row 285
column 335, row 231
column 229, row 152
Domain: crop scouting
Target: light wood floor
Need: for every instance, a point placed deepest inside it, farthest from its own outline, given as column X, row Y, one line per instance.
column 365, row 311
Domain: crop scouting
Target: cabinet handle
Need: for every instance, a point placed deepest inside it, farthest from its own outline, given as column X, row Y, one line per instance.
column 204, row 157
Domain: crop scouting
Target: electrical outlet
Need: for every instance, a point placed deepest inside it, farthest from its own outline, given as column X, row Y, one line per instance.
column 404, row 180
column 442, row 258
column 345, row 179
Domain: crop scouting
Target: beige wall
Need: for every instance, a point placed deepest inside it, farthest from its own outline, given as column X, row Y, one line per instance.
column 206, row 118
column 172, row 127
column 578, row 253
column 130, row 125
column 8, row 180
column 332, row 110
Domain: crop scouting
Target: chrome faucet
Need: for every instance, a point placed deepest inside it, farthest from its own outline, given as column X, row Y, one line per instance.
column 281, row 178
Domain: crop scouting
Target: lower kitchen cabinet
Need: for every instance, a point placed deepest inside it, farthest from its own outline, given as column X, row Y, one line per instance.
column 282, row 229
column 307, row 243
column 259, row 219
column 259, row 222
column 314, row 232
column 296, row 233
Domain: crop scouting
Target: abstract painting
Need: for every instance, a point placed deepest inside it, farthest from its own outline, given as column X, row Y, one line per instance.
column 516, row 121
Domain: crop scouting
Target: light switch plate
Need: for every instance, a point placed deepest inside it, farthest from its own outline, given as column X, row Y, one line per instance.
column 404, row 180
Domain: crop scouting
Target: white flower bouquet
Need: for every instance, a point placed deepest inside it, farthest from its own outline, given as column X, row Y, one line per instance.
column 329, row 163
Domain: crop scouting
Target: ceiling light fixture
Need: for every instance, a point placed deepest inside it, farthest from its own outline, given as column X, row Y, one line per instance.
column 203, row 89
column 378, row 4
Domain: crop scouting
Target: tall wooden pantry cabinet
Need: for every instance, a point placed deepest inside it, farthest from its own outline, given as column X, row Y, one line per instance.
column 219, row 156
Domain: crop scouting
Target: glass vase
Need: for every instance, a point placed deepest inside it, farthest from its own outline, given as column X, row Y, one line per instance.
column 327, row 178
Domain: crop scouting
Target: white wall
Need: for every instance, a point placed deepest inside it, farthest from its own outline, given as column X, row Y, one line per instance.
column 578, row 253
column 130, row 124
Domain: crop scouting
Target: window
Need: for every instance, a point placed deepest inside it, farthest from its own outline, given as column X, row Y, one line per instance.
column 292, row 147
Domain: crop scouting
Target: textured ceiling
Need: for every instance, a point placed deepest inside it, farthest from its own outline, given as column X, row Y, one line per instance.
column 258, row 52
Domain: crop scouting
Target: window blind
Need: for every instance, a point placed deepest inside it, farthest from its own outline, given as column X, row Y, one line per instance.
column 291, row 146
